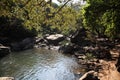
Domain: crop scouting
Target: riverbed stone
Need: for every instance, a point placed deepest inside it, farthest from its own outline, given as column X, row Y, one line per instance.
column 114, row 53
column 4, row 51
column 67, row 48
column 55, row 39
column 26, row 43
column 108, row 71
column 7, row 78
column 90, row 75
column 39, row 40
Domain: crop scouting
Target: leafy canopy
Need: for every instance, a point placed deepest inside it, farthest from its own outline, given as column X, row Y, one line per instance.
column 102, row 17
column 39, row 16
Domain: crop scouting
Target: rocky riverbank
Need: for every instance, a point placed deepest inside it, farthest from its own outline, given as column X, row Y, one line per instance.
column 101, row 66
column 8, row 46
column 100, row 56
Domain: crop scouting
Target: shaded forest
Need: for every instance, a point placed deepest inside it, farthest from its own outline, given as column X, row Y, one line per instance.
column 20, row 19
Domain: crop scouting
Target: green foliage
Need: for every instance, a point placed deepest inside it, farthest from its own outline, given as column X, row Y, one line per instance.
column 14, row 14
column 102, row 17
column 37, row 16
column 65, row 21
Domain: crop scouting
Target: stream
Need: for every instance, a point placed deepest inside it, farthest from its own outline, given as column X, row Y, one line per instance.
column 38, row 64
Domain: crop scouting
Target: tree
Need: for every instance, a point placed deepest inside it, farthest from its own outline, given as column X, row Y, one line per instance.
column 102, row 17
column 38, row 16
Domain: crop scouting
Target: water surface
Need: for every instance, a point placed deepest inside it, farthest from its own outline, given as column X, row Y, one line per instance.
column 38, row 64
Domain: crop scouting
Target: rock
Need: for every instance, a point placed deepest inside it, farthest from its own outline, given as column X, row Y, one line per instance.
column 118, row 64
column 54, row 47
column 42, row 45
column 66, row 49
column 7, row 78
column 4, row 40
column 39, row 40
column 15, row 46
column 103, row 54
column 81, row 57
column 4, row 51
column 117, row 46
column 55, row 39
column 79, row 70
column 1, row 45
column 90, row 75
column 114, row 54
column 78, row 36
column 108, row 71
column 27, row 43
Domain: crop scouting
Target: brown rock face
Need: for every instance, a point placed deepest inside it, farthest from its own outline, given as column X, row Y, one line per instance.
column 108, row 71
column 114, row 54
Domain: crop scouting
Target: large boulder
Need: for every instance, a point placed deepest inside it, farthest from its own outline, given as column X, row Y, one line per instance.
column 7, row 78
column 67, row 48
column 90, row 75
column 27, row 43
column 78, row 36
column 4, row 51
column 39, row 40
column 54, row 39
column 108, row 71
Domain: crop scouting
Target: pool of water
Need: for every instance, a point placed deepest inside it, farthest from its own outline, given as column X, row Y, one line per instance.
column 38, row 64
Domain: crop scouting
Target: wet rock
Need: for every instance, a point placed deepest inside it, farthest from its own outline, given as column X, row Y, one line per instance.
column 39, row 40
column 81, row 57
column 42, row 45
column 1, row 45
column 78, row 36
column 4, row 51
column 114, row 53
column 103, row 53
column 117, row 46
column 90, row 75
column 54, row 47
column 4, row 40
column 7, row 78
column 54, row 39
column 27, row 43
column 66, row 49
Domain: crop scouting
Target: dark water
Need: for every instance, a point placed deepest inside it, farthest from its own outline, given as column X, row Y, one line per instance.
column 38, row 64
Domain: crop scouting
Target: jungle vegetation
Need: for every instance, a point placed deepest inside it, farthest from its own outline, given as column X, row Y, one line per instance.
column 28, row 18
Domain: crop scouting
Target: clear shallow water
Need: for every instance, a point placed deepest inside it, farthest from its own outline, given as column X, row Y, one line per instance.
column 38, row 64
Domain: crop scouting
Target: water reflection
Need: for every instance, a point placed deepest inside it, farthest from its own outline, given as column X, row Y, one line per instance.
column 38, row 64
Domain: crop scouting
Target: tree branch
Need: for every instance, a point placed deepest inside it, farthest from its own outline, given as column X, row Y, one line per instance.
column 62, row 6
column 25, row 4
